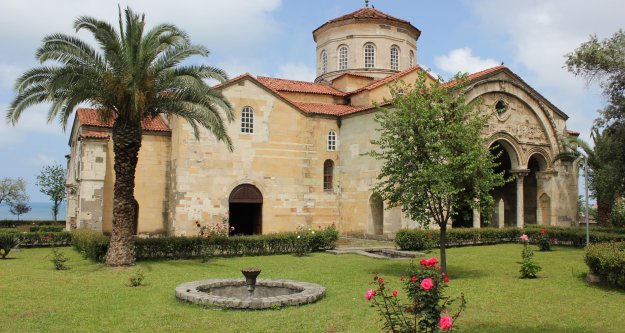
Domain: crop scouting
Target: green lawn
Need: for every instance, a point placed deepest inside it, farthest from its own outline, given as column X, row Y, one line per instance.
column 93, row 298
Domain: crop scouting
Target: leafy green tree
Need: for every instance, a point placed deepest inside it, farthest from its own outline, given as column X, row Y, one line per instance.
column 435, row 160
column 51, row 182
column 19, row 209
column 12, row 190
column 135, row 74
column 603, row 61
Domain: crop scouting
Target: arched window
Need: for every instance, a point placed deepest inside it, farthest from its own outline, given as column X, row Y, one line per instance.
column 247, row 120
column 342, row 57
column 411, row 58
column 394, row 58
column 332, row 140
column 328, row 172
column 324, row 62
column 369, row 55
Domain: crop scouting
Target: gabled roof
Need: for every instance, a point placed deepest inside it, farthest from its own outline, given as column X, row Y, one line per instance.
column 366, row 15
column 498, row 69
column 94, row 135
column 331, row 109
column 389, row 79
column 91, row 117
column 299, row 86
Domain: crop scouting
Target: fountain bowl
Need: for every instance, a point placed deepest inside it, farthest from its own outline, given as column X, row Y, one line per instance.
column 234, row 293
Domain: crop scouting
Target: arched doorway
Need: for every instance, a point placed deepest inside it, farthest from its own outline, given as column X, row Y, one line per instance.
column 376, row 205
column 505, row 194
column 246, row 210
column 530, row 192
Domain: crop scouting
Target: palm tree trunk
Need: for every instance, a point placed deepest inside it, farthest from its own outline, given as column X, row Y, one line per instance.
column 126, row 145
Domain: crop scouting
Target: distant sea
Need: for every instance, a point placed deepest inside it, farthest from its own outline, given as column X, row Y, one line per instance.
column 40, row 211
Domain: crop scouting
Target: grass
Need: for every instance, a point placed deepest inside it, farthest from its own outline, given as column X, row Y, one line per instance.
column 92, row 298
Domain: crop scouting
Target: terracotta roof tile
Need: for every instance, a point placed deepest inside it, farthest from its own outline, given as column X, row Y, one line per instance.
column 364, row 14
column 330, row 109
column 94, row 135
column 299, row 86
column 91, row 117
column 390, row 79
column 475, row 75
column 572, row 133
column 352, row 74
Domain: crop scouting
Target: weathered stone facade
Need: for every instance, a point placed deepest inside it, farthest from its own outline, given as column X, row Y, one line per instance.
column 298, row 149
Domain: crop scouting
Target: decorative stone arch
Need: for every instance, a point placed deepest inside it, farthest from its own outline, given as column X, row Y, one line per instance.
column 511, row 145
column 376, row 209
column 523, row 94
column 542, row 157
column 245, row 207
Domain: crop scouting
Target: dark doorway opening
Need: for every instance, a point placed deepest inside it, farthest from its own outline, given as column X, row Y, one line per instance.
column 246, row 210
column 507, row 192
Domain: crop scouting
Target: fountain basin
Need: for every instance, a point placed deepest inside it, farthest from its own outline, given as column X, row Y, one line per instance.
column 233, row 293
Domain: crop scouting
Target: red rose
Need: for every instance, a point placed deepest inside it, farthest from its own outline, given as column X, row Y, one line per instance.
column 394, row 292
column 381, row 280
column 401, row 278
column 542, row 231
column 445, row 278
column 414, row 279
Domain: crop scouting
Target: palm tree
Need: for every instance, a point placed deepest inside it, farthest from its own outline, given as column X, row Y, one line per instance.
column 133, row 75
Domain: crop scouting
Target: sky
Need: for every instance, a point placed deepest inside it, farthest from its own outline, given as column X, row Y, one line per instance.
column 274, row 38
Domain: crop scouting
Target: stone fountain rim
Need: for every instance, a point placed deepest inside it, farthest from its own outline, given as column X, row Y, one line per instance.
column 191, row 292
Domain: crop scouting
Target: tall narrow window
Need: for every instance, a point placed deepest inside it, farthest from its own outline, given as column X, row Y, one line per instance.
column 369, row 55
column 332, row 140
column 342, row 57
column 328, row 171
column 324, row 62
column 247, row 120
column 411, row 58
column 394, row 58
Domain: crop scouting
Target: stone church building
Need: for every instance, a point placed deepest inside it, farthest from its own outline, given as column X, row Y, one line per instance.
column 298, row 148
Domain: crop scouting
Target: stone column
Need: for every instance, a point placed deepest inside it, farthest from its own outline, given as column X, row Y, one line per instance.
column 520, row 175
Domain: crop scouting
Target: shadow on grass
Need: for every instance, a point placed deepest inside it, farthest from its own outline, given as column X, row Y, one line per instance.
column 521, row 329
column 599, row 285
column 458, row 272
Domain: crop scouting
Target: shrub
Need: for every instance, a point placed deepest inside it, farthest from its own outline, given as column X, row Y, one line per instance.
column 15, row 223
column 544, row 243
column 59, row 259
column 47, row 228
column 529, row 268
column 419, row 239
column 136, row 280
column 43, row 239
column 427, row 309
column 7, row 242
column 90, row 244
column 608, row 262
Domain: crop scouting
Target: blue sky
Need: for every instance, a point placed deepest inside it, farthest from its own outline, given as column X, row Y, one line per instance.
column 274, row 38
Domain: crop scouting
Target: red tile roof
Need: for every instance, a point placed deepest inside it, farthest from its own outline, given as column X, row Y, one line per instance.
column 91, row 117
column 572, row 133
column 367, row 14
column 476, row 75
column 94, row 135
column 329, row 109
column 390, row 79
column 299, row 86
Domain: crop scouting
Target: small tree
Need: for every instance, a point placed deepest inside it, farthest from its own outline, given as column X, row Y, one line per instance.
column 12, row 190
column 19, row 209
column 51, row 182
column 435, row 158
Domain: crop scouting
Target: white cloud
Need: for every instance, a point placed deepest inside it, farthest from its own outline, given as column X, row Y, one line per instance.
column 8, row 75
column 296, row 72
column 32, row 121
column 463, row 60
column 42, row 160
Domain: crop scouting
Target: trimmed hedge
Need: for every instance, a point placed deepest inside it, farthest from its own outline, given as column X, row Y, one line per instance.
column 39, row 239
column 93, row 245
column 419, row 239
column 47, row 228
column 15, row 223
column 607, row 260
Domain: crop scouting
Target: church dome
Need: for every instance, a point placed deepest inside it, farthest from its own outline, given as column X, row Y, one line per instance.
column 365, row 42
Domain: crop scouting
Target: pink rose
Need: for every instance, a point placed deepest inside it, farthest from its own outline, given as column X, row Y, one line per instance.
column 394, row 292
column 445, row 323
column 427, row 284
column 524, row 238
column 370, row 293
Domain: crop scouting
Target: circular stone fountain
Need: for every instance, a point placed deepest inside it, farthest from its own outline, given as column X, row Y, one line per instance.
column 249, row 293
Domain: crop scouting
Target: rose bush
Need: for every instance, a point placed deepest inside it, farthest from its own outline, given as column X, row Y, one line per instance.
column 426, row 309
